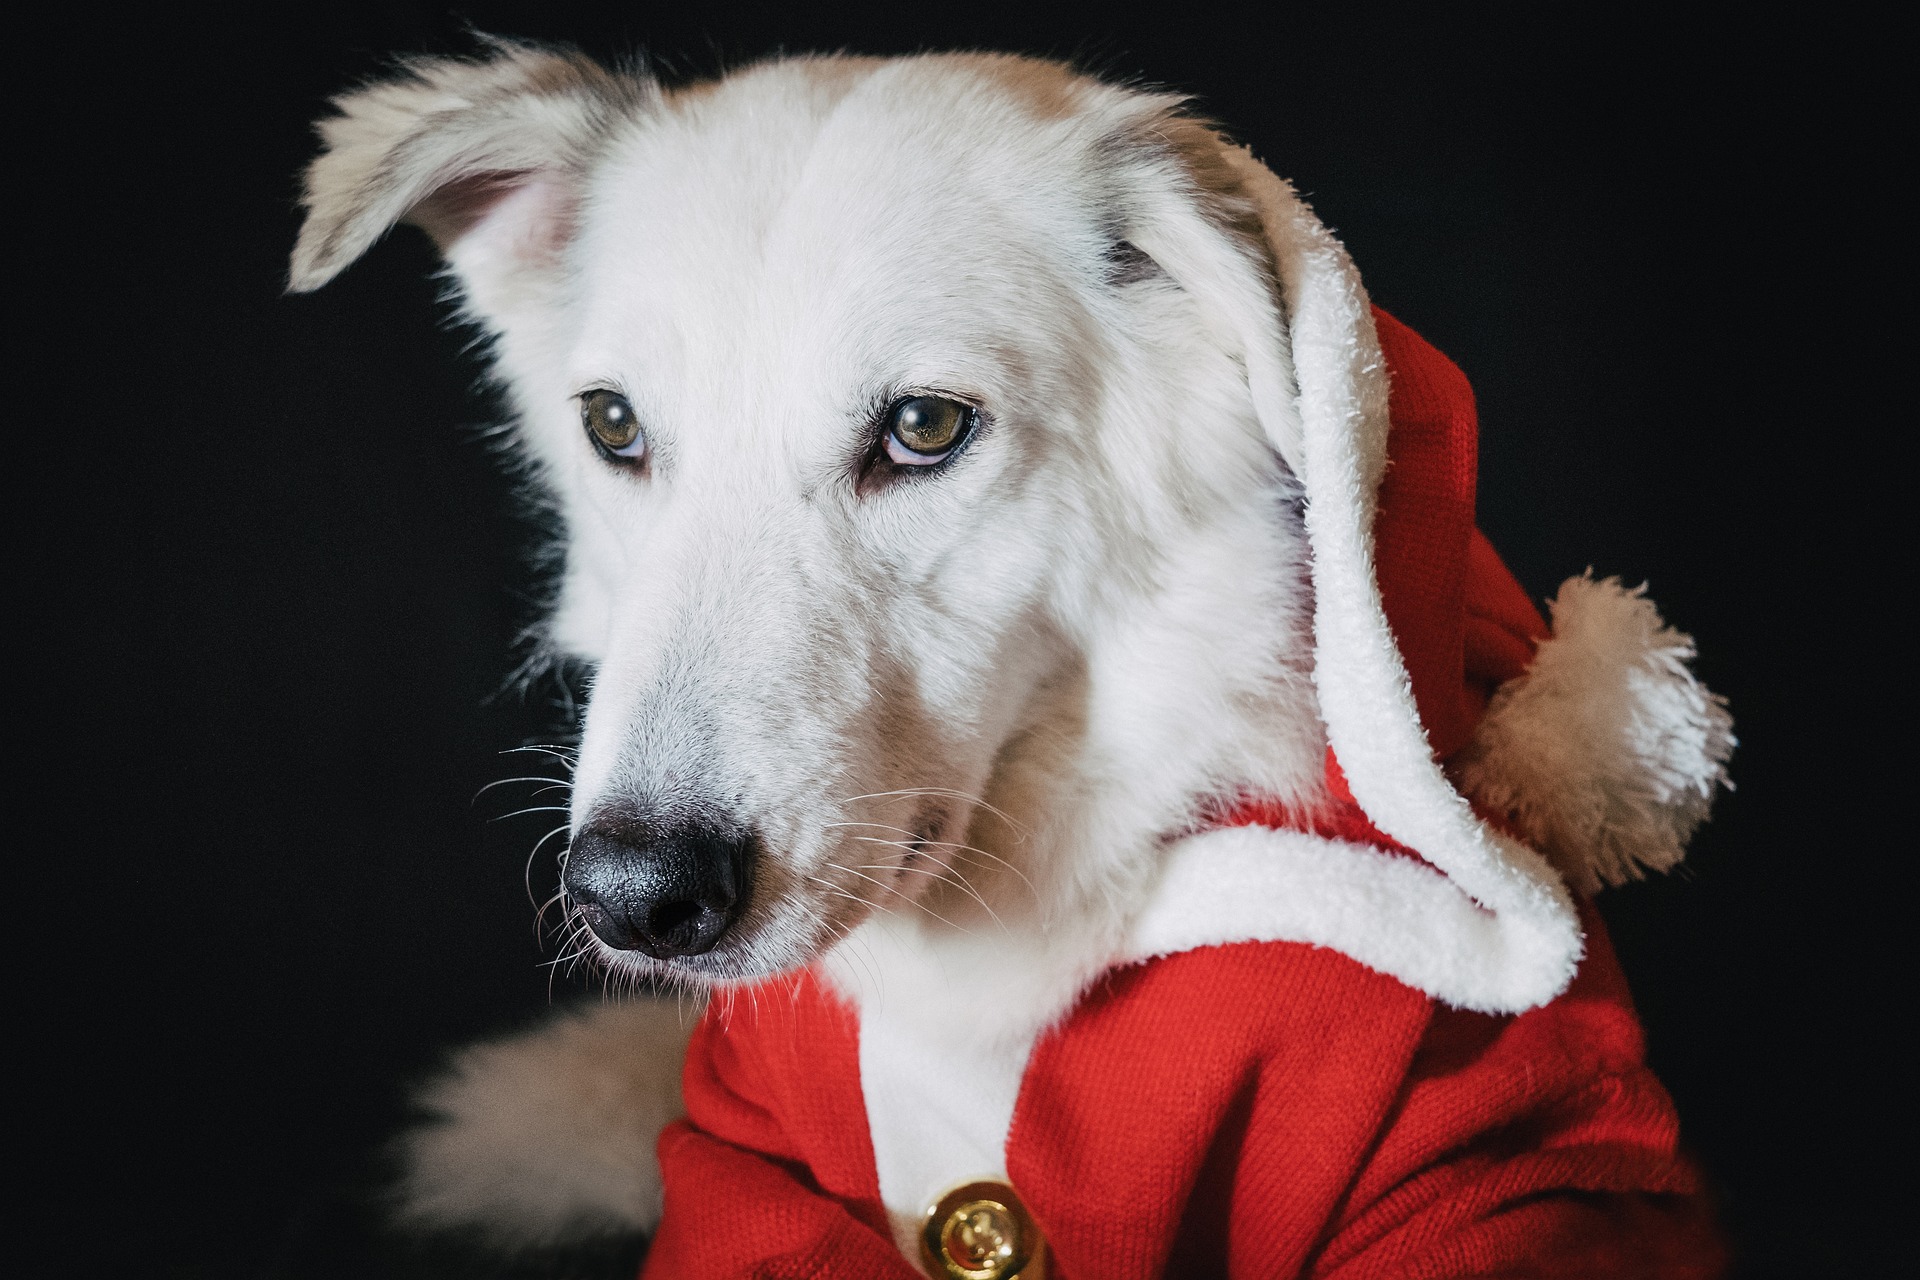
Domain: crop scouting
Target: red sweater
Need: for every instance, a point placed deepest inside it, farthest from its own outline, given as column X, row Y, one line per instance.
column 1320, row 1119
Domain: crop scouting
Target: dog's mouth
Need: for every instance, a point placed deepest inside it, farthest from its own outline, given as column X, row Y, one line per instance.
column 925, row 874
column 873, row 867
column 711, row 912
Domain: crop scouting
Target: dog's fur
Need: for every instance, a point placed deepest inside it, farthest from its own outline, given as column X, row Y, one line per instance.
column 961, row 711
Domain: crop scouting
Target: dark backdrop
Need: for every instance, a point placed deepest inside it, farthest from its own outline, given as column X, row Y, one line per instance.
column 274, row 581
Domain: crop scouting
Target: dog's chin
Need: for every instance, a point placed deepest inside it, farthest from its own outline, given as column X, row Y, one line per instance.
column 755, row 955
column 720, row 967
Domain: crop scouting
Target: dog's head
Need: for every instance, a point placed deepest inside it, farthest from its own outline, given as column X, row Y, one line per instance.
column 877, row 397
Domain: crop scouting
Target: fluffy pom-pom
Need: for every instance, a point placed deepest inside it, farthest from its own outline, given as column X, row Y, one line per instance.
column 548, row 1136
column 1607, row 753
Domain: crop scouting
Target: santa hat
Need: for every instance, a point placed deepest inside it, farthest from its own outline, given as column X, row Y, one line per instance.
column 1511, row 760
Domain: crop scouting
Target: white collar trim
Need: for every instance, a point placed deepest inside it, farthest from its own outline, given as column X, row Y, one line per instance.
column 1390, row 912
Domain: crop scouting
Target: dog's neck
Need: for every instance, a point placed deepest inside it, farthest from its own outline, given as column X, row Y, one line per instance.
column 1199, row 688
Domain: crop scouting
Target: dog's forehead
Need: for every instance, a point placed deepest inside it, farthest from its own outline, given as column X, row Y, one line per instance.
column 822, row 220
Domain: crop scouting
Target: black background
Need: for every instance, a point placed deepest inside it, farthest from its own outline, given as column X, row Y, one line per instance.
column 272, row 579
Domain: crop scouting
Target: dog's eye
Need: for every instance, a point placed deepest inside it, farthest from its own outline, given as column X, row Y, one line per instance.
column 924, row 429
column 612, row 424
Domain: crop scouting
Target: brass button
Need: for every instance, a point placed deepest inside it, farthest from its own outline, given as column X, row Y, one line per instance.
column 981, row 1231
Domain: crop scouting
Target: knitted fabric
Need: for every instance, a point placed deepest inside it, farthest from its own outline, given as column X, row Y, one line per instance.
column 1270, row 1110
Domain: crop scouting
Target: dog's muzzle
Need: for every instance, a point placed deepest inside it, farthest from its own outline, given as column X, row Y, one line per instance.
column 664, row 893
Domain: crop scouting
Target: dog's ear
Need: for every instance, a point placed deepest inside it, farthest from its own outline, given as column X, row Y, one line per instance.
column 486, row 155
column 1254, row 260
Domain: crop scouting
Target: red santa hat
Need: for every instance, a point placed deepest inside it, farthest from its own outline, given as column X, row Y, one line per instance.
column 1511, row 759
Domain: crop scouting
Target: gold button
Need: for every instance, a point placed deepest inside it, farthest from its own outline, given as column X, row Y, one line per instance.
column 981, row 1231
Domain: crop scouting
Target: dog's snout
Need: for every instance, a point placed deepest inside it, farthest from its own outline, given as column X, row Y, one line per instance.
column 664, row 893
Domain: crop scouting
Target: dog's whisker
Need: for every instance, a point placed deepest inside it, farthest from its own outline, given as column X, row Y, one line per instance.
column 1019, row 831
column 559, row 830
column 946, row 871
column 576, row 943
column 850, row 897
column 827, row 884
column 914, row 835
column 947, row 876
column 861, row 947
column 869, row 963
column 857, row 949
column 570, row 959
column 568, row 757
column 540, row 915
column 854, row 898
column 837, row 891
column 526, row 875
column 919, row 843
column 906, row 898
column 558, row 782
column 960, row 849
column 538, row 808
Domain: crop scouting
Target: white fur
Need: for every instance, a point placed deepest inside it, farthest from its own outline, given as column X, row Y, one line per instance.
column 548, row 1135
column 1040, row 665
column 1607, row 753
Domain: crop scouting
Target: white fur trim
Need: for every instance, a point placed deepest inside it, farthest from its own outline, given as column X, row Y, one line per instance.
column 549, row 1135
column 1607, row 752
column 1366, row 698
column 1389, row 912
column 939, row 1112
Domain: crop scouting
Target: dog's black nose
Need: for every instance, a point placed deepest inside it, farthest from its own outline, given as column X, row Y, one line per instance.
column 665, row 892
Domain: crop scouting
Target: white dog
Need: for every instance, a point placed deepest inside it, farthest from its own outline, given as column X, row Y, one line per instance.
column 966, row 468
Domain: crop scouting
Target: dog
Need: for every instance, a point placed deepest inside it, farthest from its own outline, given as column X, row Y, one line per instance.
column 979, row 524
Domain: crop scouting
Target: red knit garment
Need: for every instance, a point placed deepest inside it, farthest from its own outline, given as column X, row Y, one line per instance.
column 1258, row 1109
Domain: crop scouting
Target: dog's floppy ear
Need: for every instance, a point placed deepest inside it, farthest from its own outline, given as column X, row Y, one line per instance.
column 1187, row 206
column 1271, row 281
column 486, row 155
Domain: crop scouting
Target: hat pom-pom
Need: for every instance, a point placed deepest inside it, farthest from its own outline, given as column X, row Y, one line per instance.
column 1607, row 753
